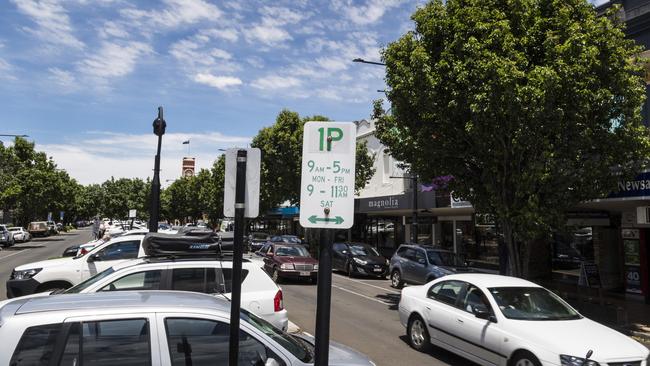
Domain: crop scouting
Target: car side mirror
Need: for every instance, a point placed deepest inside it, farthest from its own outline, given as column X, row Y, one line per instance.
column 94, row 258
column 422, row 261
column 481, row 312
column 271, row 362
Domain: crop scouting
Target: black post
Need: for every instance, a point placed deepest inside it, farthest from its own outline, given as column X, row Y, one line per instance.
column 235, row 300
column 414, row 224
column 324, row 297
column 159, row 126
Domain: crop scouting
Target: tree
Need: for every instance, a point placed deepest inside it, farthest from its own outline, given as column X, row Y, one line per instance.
column 531, row 105
column 281, row 146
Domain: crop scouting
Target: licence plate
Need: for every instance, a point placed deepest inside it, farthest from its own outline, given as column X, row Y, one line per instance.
column 378, row 270
column 305, row 273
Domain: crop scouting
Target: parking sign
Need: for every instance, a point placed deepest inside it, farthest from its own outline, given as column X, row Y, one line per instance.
column 327, row 182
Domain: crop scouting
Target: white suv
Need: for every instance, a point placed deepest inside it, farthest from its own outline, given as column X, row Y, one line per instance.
column 62, row 273
column 134, row 328
column 259, row 294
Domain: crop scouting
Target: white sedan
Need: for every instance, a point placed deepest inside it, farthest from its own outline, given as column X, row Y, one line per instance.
column 499, row 320
column 20, row 234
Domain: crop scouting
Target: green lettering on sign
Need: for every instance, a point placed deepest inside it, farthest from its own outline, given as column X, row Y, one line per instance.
column 333, row 134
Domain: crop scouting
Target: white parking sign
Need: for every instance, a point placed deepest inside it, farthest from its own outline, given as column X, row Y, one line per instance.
column 327, row 183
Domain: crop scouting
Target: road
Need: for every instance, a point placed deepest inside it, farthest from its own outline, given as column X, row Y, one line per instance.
column 364, row 317
column 37, row 250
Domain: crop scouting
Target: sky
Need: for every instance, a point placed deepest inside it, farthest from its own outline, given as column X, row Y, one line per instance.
column 84, row 78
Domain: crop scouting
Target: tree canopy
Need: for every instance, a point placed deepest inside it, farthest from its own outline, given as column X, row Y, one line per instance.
column 531, row 105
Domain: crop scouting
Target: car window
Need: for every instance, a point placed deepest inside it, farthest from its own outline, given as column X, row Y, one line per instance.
column 419, row 256
column 202, row 342
column 446, row 292
column 107, row 343
column 292, row 251
column 409, row 254
column 339, row 247
column 146, row 280
column 474, row 297
column 276, row 239
column 122, row 250
column 532, row 303
column 204, row 280
column 363, row 250
column 36, row 346
column 401, row 251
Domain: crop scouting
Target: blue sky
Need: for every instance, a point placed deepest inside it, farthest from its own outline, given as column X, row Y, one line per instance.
column 83, row 78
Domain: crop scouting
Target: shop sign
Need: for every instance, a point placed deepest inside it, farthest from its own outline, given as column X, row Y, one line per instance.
column 457, row 202
column 638, row 187
column 633, row 279
column 630, row 233
column 589, row 275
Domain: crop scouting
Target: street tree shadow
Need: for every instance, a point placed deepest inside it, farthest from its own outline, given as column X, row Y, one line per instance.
column 23, row 247
column 443, row 355
column 391, row 299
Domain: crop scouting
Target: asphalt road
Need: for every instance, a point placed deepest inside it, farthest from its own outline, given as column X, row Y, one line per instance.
column 37, row 249
column 364, row 317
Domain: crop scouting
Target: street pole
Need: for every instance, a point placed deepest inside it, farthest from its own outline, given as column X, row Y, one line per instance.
column 235, row 299
column 159, row 126
column 414, row 226
column 323, row 298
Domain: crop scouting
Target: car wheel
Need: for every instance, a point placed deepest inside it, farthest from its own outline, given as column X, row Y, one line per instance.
column 275, row 275
column 525, row 358
column 396, row 279
column 418, row 334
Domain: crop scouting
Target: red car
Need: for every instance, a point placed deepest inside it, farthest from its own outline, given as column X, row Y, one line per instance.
column 283, row 260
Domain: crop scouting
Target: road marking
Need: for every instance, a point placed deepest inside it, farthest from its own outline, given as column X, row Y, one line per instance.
column 364, row 296
column 367, row 284
column 22, row 251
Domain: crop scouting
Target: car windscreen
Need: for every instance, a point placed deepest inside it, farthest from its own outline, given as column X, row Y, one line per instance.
column 258, row 236
column 292, row 251
column 364, row 250
column 301, row 350
column 87, row 283
column 532, row 303
column 291, row 239
column 444, row 258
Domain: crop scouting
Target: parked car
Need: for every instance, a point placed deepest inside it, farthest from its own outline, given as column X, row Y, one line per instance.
column 358, row 258
column 283, row 261
column 20, row 234
column 418, row 264
column 472, row 314
column 83, row 249
column 256, row 240
column 6, row 237
column 38, row 228
column 62, row 273
column 53, row 229
column 147, row 328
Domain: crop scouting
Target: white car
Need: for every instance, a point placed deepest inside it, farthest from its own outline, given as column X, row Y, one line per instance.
column 20, row 234
column 62, row 273
column 260, row 295
column 134, row 328
column 507, row 321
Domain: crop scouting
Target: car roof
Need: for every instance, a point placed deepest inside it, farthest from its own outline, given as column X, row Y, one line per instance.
column 199, row 262
column 427, row 247
column 119, row 300
column 491, row 280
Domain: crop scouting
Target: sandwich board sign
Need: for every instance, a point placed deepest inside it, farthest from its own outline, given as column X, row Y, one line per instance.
column 327, row 181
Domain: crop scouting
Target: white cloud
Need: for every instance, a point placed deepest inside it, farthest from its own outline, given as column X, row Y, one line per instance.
column 113, row 29
column 270, row 35
column 96, row 159
column 280, row 16
column 63, row 78
column 51, row 18
column 366, row 14
column 228, row 34
column 113, row 60
column 176, row 13
column 332, row 63
column 273, row 82
column 219, row 82
column 219, row 53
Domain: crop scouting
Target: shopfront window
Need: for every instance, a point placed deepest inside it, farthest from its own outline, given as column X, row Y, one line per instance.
column 571, row 247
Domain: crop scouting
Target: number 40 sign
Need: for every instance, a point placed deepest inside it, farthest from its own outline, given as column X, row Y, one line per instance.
column 327, row 182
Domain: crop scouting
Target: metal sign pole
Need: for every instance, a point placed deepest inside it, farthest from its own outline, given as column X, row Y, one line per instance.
column 324, row 298
column 235, row 300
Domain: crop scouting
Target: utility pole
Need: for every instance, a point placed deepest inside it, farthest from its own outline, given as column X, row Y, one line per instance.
column 159, row 126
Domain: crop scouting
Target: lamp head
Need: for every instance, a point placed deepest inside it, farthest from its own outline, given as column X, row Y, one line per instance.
column 159, row 123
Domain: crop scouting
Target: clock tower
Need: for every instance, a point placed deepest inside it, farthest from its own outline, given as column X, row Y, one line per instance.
column 188, row 167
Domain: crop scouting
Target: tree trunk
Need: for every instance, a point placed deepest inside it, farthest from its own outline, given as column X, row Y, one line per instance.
column 514, row 261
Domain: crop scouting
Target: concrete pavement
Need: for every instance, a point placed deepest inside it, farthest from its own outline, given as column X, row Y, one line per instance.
column 37, row 250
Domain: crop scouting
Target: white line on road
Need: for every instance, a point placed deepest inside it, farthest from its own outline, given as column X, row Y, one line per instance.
column 22, row 251
column 364, row 296
column 367, row 284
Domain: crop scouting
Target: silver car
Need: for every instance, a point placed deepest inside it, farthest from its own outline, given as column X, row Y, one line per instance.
column 146, row 328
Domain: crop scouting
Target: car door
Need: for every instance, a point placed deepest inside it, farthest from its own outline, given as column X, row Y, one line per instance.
column 339, row 258
column 406, row 265
column 480, row 337
column 197, row 339
column 136, row 281
column 109, row 256
column 268, row 258
column 442, row 311
column 419, row 267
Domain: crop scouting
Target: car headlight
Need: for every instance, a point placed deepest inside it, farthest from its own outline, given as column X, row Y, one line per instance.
column 315, row 267
column 360, row 261
column 2, row 237
column 26, row 274
column 566, row 360
column 387, row 262
column 287, row 266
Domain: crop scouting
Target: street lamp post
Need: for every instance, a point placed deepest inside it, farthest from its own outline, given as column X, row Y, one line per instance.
column 159, row 126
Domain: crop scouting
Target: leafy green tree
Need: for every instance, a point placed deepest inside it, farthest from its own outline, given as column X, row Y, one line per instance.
column 529, row 104
column 281, row 146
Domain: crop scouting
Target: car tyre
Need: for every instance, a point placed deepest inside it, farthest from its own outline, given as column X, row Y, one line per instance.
column 396, row 279
column 418, row 334
column 275, row 275
column 525, row 358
